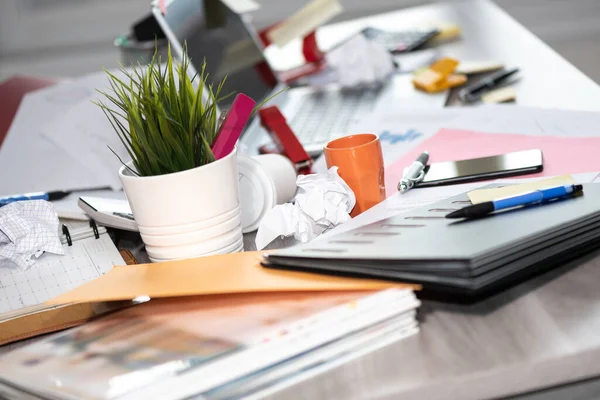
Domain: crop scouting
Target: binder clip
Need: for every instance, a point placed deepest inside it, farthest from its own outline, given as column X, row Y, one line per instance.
column 439, row 76
column 285, row 141
column 65, row 231
column 94, row 228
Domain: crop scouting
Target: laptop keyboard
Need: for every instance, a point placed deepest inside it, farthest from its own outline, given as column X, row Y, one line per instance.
column 327, row 115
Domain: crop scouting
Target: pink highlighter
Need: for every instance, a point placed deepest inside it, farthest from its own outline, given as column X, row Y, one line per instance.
column 233, row 125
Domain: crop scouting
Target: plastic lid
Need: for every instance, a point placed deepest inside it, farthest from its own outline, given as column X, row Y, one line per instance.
column 257, row 193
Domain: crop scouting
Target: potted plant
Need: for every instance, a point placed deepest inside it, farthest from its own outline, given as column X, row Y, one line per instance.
column 184, row 201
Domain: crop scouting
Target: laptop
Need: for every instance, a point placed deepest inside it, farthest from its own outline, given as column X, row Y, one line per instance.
column 231, row 47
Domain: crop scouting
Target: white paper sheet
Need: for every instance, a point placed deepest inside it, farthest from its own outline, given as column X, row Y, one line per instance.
column 508, row 118
column 400, row 203
column 85, row 133
column 400, row 130
column 29, row 161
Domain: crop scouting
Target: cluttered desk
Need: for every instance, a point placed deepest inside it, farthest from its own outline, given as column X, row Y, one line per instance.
column 423, row 202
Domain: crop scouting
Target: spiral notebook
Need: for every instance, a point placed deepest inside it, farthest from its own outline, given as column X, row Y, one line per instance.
column 89, row 253
column 23, row 313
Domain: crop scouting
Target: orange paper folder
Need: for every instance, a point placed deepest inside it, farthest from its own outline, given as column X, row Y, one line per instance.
column 220, row 274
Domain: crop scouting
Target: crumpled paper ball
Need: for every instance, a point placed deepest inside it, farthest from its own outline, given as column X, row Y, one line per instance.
column 360, row 62
column 322, row 202
column 27, row 230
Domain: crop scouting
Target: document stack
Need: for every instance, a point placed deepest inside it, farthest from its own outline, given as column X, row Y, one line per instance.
column 210, row 347
column 468, row 258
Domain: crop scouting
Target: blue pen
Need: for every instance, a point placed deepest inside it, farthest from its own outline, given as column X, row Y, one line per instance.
column 50, row 196
column 537, row 196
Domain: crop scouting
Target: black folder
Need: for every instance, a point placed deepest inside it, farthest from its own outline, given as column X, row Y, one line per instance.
column 468, row 257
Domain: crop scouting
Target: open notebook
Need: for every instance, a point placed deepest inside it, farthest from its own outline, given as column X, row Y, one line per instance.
column 23, row 313
column 90, row 255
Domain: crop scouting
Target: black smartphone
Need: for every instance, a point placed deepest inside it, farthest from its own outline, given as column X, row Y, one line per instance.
column 477, row 169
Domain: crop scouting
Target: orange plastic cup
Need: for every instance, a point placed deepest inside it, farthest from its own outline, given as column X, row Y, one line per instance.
column 360, row 162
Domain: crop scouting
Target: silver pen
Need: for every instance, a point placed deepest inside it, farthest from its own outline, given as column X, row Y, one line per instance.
column 414, row 174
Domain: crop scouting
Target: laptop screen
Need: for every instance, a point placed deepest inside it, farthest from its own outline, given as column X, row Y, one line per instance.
column 223, row 39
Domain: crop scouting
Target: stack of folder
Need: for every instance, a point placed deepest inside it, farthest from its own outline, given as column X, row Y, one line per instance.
column 459, row 257
column 217, row 327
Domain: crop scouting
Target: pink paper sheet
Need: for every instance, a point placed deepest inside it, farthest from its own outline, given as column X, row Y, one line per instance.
column 561, row 155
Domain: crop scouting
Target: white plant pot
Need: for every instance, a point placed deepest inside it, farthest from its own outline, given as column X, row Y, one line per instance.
column 185, row 214
column 195, row 236
column 211, row 246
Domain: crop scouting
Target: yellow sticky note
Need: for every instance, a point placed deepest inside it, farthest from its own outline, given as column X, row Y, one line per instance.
column 482, row 195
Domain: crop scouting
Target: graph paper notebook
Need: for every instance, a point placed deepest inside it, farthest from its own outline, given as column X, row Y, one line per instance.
column 90, row 254
column 22, row 314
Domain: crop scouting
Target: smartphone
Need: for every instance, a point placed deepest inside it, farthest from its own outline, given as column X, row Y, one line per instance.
column 477, row 169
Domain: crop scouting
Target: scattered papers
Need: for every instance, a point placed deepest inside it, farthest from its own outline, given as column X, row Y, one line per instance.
column 482, row 195
column 85, row 134
column 35, row 163
column 403, row 130
column 360, row 62
column 27, row 230
column 309, row 18
column 561, row 154
column 322, row 202
column 39, row 162
column 510, row 118
column 401, row 203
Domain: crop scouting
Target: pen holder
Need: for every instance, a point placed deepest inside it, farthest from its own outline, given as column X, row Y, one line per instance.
column 360, row 162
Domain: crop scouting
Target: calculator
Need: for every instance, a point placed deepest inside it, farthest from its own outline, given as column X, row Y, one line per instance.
column 400, row 41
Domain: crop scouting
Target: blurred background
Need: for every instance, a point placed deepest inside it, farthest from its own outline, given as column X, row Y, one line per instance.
column 72, row 37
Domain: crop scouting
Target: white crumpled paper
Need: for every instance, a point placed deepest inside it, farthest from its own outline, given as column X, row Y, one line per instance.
column 28, row 229
column 360, row 62
column 322, row 202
